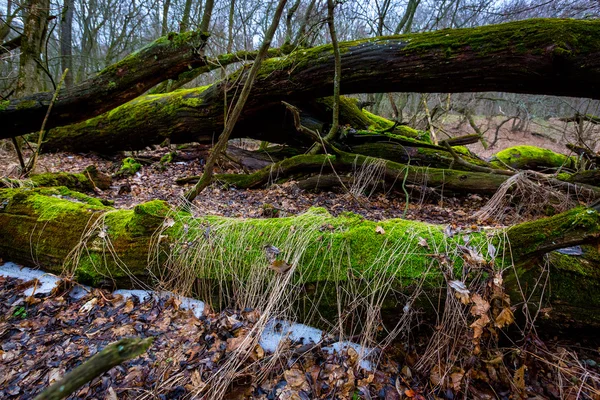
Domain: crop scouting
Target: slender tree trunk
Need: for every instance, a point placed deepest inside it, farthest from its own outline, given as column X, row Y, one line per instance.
column 301, row 34
column 165, row 18
column 229, row 34
column 239, row 106
column 405, row 24
column 288, row 22
column 333, row 132
column 207, row 16
column 66, row 28
column 185, row 19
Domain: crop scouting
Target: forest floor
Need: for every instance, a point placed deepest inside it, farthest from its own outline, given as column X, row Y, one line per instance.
column 42, row 337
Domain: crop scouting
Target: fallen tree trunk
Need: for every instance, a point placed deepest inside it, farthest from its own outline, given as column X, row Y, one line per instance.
column 164, row 58
column 87, row 181
column 558, row 57
column 391, row 174
column 48, row 227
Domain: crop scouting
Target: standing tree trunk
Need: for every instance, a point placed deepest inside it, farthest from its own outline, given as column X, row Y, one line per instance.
column 66, row 28
column 207, row 16
column 165, row 18
column 185, row 19
column 32, row 43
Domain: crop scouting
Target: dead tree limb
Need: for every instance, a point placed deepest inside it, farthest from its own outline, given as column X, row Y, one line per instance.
column 111, row 356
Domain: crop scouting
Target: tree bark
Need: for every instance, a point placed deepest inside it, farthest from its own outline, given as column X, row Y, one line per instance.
column 34, row 33
column 66, row 28
column 558, row 57
column 166, row 57
column 42, row 227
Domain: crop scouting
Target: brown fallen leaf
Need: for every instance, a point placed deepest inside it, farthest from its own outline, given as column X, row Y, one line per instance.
column 505, row 318
column 379, row 229
column 296, row 379
column 280, row 266
column 480, row 306
column 478, row 326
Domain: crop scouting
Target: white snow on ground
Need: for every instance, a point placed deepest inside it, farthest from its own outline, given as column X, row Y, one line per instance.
column 196, row 306
column 47, row 282
column 141, row 295
column 274, row 332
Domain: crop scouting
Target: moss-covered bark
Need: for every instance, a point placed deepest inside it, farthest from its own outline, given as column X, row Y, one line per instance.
column 44, row 226
column 534, row 158
column 394, row 174
column 538, row 56
column 86, row 181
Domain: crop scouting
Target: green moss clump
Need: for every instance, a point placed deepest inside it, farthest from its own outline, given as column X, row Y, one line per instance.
column 26, row 104
column 378, row 122
column 531, row 157
column 4, row 104
column 167, row 158
column 129, row 166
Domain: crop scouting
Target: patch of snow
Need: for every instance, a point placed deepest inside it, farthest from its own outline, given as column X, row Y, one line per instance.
column 571, row 251
column 276, row 330
column 47, row 281
column 196, row 306
column 187, row 303
column 364, row 353
column 141, row 295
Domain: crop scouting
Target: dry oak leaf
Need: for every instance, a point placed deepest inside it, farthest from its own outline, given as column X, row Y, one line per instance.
column 480, row 306
column 478, row 326
column 505, row 318
column 296, row 379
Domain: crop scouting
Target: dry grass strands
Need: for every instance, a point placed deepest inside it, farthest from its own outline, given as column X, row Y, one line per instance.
column 526, row 195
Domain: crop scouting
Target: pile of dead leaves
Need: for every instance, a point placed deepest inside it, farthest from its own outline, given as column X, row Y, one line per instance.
column 44, row 337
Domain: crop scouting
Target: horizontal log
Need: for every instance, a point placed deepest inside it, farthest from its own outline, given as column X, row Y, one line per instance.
column 538, row 56
column 87, row 181
column 43, row 227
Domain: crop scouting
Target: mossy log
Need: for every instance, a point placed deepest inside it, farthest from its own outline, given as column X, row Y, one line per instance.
column 47, row 227
column 537, row 56
column 533, row 158
column 393, row 174
column 125, row 80
column 87, row 181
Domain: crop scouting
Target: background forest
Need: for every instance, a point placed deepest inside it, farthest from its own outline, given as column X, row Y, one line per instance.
column 395, row 241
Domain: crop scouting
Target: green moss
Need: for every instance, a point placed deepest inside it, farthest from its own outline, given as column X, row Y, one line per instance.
column 378, row 122
column 4, row 104
column 129, row 166
column 112, row 84
column 563, row 176
column 531, row 157
column 326, row 248
column 50, row 204
column 26, row 104
column 167, row 158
